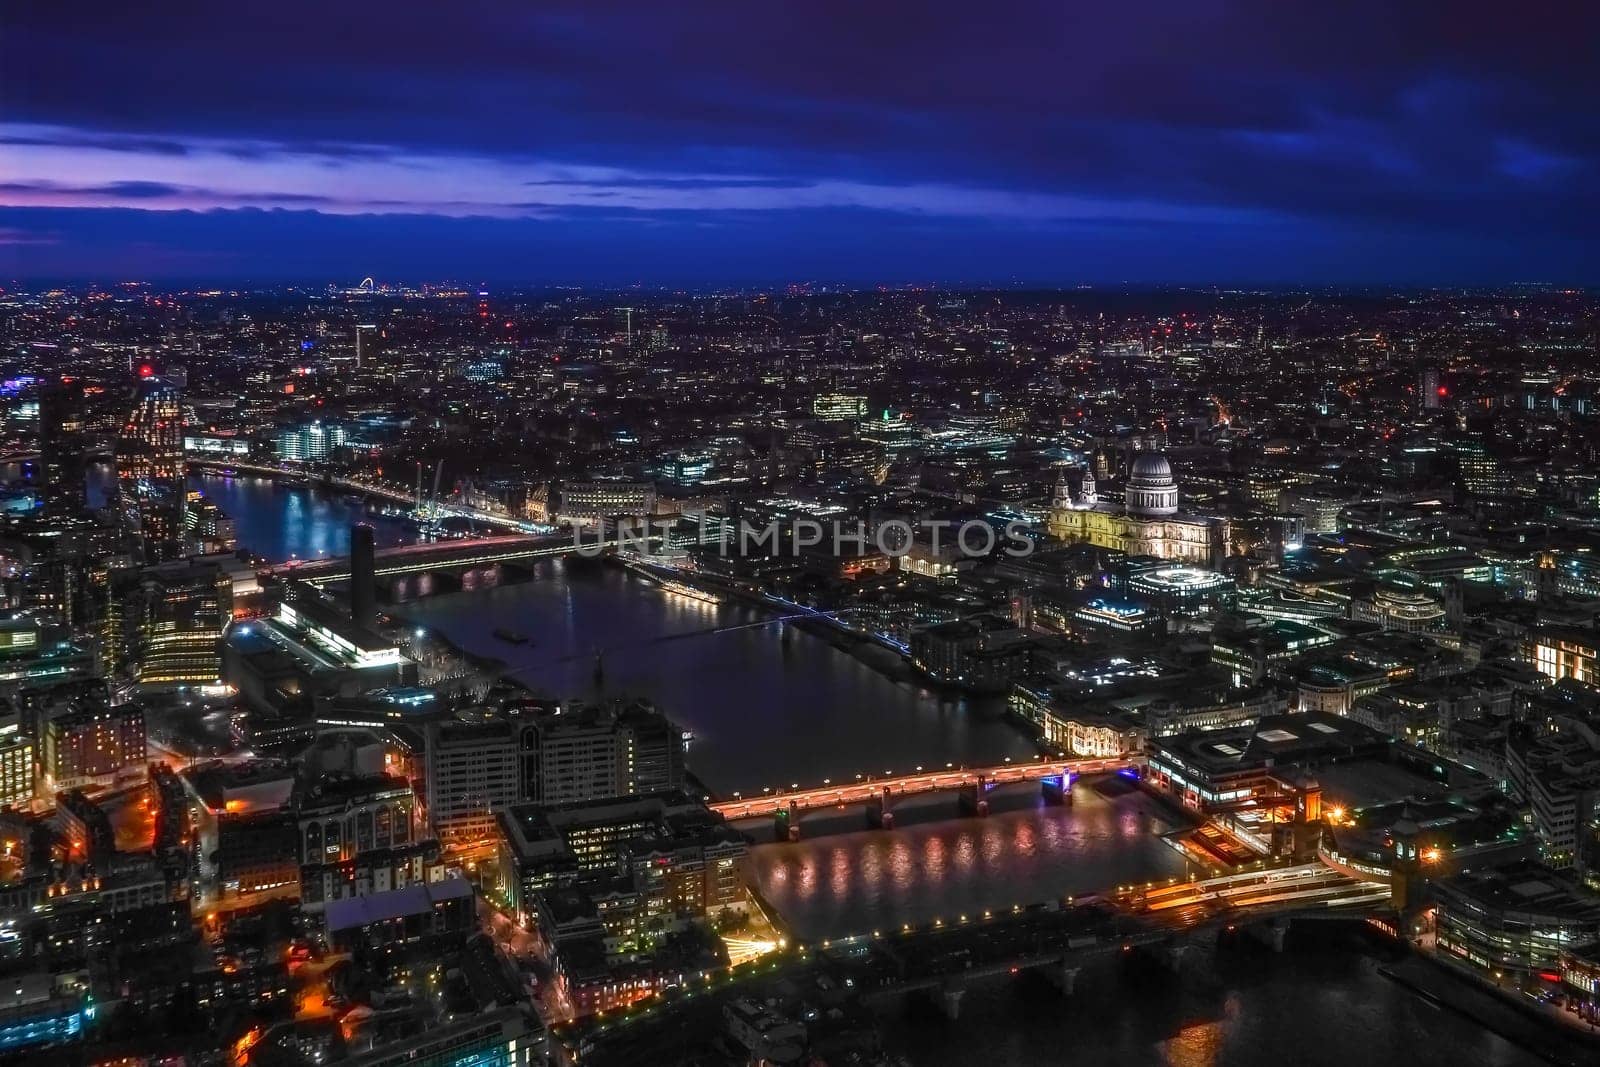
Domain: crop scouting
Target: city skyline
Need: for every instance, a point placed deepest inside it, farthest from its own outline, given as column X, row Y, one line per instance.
column 878, row 534
column 535, row 677
column 1245, row 143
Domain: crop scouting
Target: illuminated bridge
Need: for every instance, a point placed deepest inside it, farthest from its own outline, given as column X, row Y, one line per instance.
column 878, row 793
column 1302, row 885
column 465, row 554
column 395, row 494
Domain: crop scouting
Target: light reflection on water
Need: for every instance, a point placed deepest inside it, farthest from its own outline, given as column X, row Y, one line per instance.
column 858, row 882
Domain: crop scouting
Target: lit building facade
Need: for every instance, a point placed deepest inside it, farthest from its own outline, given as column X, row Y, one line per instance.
column 1565, row 652
column 665, row 845
column 1400, row 602
column 839, row 406
column 150, row 470
column 1558, row 774
column 357, row 838
column 17, row 755
column 313, row 441
column 579, row 753
column 95, row 746
column 588, row 503
column 1148, row 523
column 472, row 768
column 185, row 609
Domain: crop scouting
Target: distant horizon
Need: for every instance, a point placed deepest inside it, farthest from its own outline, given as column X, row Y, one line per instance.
column 806, row 286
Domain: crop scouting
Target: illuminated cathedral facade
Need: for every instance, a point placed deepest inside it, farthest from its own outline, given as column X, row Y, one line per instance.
column 1147, row 523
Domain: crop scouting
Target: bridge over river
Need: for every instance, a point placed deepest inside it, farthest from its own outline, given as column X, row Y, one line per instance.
column 1054, row 940
column 878, row 792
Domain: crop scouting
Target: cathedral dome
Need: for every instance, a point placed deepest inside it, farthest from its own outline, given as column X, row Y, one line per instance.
column 1151, row 491
column 1151, row 467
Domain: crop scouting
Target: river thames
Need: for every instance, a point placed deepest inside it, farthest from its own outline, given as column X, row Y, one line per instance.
column 1024, row 852
column 769, row 707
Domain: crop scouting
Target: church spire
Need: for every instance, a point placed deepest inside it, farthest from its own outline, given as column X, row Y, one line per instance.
column 1062, row 497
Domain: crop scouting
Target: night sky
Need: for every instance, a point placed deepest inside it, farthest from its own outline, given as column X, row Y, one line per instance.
column 700, row 143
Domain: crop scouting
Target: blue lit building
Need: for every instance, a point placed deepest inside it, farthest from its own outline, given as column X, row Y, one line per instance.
column 35, row 1014
column 313, row 441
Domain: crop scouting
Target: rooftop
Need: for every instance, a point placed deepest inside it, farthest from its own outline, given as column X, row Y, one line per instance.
column 1527, row 888
column 352, row 912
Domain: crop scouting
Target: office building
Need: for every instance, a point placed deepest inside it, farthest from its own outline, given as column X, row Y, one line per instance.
column 1565, row 652
column 150, row 469
column 582, row 752
column 839, row 407
column 665, row 839
column 1557, row 772
column 185, row 607
column 244, row 828
column 36, row 656
column 1513, row 922
column 209, row 528
column 314, row 441
column 591, row 503
column 18, row 753
column 472, row 768
column 358, row 836
column 96, row 745
column 62, row 449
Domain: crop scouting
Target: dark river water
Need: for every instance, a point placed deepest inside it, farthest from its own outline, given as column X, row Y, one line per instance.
column 1322, row 1003
column 766, row 707
column 773, row 708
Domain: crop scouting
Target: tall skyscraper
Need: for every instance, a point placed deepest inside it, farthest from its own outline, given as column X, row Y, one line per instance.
column 61, row 452
column 150, row 472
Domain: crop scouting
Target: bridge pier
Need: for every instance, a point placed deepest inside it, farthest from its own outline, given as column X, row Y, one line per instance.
column 974, row 799
column 1057, row 789
column 512, row 573
column 786, row 823
column 1064, row 976
column 486, row 577
column 440, row 582
column 1171, row 953
column 1270, row 933
column 950, row 995
column 879, row 817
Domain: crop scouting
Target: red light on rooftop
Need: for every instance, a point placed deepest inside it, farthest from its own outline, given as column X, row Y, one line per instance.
column 146, row 370
column 1443, row 391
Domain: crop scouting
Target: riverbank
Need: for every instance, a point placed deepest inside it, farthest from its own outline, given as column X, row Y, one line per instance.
column 891, row 660
column 1525, row 1026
